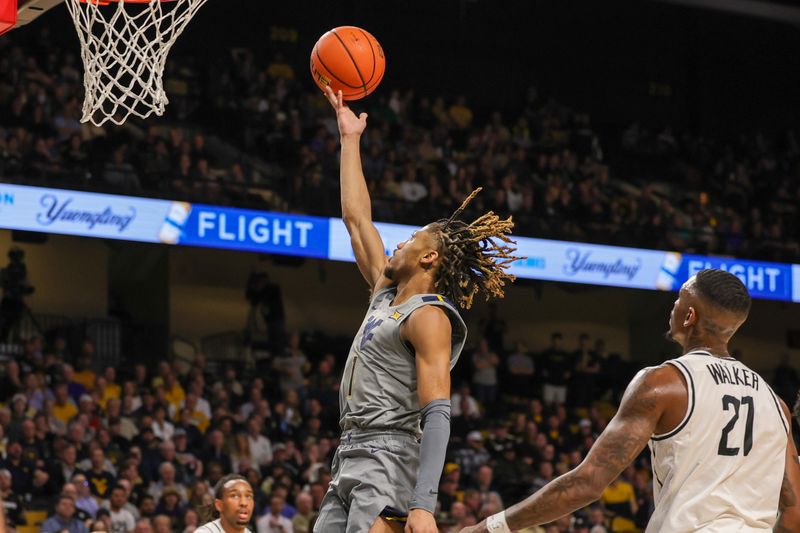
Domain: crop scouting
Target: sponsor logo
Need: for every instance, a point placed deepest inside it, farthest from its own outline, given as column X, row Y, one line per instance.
column 56, row 211
column 582, row 263
column 230, row 226
column 756, row 277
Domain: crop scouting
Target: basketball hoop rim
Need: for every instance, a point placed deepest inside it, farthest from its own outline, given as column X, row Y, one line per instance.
column 107, row 2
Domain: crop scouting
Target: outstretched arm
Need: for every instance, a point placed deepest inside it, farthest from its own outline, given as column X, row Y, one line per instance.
column 428, row 330
column 789, row 503
column 356, row 205
column 621, row 442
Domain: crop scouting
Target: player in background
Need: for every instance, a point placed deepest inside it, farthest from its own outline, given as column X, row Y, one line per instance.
column 722, row 451
column 386, row 470
column 232, row 507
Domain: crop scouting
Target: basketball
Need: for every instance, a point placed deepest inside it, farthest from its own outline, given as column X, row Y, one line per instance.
column 348, row 59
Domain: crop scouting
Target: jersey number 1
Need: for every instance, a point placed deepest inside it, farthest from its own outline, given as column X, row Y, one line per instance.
column 735, row 403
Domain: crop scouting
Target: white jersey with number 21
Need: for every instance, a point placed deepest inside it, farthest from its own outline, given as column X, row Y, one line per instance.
column 721, row 469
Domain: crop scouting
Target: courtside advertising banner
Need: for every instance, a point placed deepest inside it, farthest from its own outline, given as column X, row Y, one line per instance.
column 81, row 213
column 169, row 222
column 244, row 229
column 772, row 281
column 592, row 264
column 160, row 221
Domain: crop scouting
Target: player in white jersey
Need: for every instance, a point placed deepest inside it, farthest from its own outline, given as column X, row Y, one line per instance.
column 233, row 506
column 724, row 460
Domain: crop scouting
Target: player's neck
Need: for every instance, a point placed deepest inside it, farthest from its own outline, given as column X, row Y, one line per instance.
column 419, row 284
column 715, row 347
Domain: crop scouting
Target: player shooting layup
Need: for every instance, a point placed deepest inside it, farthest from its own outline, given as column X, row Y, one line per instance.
column 722, row 451
column 398, row 371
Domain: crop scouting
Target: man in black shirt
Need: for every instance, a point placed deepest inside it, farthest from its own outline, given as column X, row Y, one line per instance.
column 20, row 469
column 587, row 369
column 62, row 470
column 100, row 480
column 10, row 382
column 556, row 367
column 34, row 449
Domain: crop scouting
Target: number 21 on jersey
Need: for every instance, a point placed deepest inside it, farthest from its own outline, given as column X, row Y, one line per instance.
column 731, row 403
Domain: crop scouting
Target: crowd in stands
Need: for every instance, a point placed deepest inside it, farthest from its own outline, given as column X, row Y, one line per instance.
column 138, row 448
column 135, row 448
column 538, row 160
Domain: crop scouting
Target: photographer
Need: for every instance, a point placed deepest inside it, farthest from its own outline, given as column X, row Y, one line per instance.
column 15, row 284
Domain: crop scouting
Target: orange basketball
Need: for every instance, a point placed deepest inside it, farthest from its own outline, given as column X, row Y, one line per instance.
column 348, row 59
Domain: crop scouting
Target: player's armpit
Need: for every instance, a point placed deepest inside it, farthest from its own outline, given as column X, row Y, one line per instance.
column 369, row 251
column 429, row 331
column 621, row 442
column 789, row 503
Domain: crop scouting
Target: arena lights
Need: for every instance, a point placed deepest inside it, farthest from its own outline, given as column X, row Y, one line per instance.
column 179, row 223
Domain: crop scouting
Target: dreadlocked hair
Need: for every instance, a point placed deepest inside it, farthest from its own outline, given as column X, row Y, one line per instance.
column 475, row 256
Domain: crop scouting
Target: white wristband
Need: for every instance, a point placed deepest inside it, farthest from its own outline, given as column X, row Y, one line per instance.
column 497, row 523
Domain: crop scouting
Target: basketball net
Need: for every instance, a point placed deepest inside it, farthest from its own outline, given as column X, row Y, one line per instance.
column 124, row 48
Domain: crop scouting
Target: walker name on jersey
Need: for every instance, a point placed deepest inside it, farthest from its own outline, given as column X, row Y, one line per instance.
column 726, row 375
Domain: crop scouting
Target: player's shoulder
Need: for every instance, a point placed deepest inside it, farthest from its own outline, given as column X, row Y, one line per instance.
column 429, row 316
column 662, row 374
column 658, row 383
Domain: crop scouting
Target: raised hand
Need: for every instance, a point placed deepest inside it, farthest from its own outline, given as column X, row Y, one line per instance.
column 349, row 124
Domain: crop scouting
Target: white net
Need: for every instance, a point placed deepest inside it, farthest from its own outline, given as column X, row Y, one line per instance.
column 124, row 46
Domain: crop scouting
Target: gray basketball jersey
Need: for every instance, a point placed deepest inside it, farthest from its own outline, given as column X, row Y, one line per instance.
column 379, row 385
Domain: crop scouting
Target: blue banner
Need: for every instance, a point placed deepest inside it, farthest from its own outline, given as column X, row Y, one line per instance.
column 256, row 231
column 180, row 223
column 772, row 281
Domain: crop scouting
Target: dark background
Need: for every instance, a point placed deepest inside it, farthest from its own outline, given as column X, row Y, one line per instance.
column 621, row 61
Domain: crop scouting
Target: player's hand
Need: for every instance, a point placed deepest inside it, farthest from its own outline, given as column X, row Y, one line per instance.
column 420, row 521
column 349, row 124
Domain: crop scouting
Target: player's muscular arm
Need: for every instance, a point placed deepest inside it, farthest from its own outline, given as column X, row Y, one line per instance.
column 356, row 205
column 789, row 503
column 429, row 331
column 622, row 441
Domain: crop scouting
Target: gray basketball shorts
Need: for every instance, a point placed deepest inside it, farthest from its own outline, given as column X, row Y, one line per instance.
column 373, row 474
